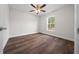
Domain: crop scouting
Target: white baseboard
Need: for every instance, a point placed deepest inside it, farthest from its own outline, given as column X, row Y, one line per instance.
column 22, row 34
column 71, row 39
column 5, row 44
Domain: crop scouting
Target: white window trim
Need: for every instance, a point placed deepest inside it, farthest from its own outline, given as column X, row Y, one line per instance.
column 47, row 24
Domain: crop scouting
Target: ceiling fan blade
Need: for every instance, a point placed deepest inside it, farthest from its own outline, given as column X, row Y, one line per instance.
column 43, row 10
column 37, row 6
column 32, row 5
column 43, row 6
column 31, row 10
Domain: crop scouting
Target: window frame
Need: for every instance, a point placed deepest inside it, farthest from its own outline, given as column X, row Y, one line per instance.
column 51, row 23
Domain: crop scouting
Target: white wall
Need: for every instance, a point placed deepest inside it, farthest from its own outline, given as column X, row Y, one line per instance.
column 22, row 23
column 77, row 26
column 4, row 22
column 64, row 23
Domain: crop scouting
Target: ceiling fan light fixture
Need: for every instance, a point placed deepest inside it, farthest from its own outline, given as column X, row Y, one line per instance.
column 38, row 8
column 37, row 11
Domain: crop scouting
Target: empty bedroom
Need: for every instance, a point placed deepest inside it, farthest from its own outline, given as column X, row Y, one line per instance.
column 37, row 28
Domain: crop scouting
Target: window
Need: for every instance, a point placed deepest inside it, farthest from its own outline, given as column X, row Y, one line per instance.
column 51, row 23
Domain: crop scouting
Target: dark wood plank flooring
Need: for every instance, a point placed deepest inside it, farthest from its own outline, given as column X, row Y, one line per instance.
column 38, row 44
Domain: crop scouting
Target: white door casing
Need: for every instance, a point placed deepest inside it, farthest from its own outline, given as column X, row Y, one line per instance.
column 4, row 25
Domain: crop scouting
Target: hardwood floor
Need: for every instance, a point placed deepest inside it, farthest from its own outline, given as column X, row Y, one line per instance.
column 38, row 44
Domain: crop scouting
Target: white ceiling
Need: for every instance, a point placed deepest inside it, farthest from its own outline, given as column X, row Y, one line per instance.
column 27, row 7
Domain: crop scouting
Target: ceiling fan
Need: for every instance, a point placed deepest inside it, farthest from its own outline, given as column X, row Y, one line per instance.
column 38, row 8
